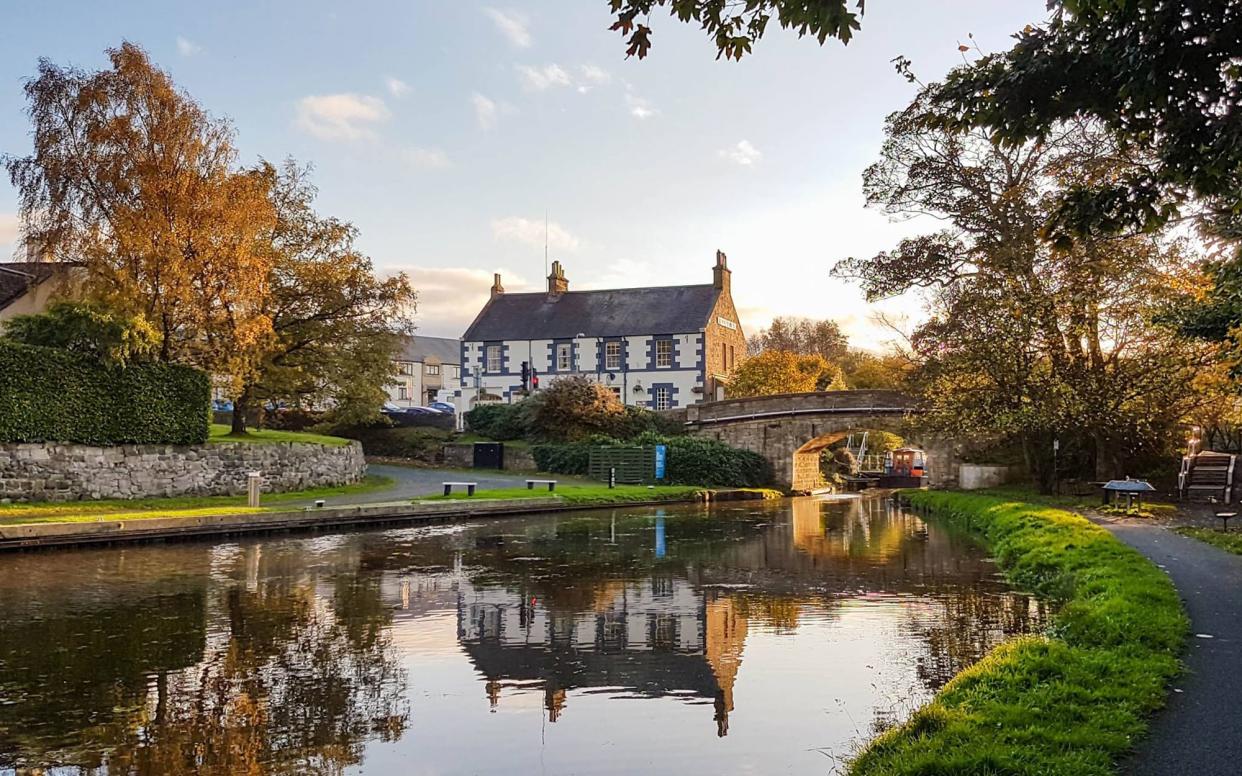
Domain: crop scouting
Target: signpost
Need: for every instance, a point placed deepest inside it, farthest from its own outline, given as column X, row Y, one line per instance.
column 661, row 459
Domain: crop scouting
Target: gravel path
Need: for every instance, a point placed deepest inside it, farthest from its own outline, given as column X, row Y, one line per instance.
column 1198, row 732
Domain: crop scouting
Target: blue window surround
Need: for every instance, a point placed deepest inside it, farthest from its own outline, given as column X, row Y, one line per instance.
column 573, row 355
column 504, row 358
column 601, row 361
column 651, row 352
column 701, row 373
column 673, row 390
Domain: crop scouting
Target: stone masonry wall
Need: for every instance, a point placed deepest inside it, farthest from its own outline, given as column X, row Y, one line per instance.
column 66, row 472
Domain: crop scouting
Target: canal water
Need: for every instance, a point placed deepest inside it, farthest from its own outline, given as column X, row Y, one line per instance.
column 747, row 638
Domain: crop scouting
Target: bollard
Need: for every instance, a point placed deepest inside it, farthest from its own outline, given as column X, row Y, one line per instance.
column 254, row 483
column 612, row 477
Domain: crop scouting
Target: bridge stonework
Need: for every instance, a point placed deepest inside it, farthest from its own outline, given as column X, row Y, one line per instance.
column 791, row 430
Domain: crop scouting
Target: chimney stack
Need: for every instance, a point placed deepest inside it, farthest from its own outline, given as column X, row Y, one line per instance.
column 557, row 284
column 497, row 289
column 721, row 276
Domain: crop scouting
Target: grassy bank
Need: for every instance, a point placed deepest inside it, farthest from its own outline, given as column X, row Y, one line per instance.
column 1230, row 541
column 222, row 434
column 182, row 506
column 586, row 495
column 1069, row 703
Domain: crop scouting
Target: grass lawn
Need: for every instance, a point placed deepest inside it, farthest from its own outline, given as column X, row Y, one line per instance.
column 221, row 433
column 1071, row 702
column 584, row 494
column 1230, row 541
column 182, row 506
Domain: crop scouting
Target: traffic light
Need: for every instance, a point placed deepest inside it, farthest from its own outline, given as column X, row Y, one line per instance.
column 525, row 376
column 534, row 380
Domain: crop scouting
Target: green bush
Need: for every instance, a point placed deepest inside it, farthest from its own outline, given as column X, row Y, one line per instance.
column 52, row 395
column 501, row 422
column 691, row 460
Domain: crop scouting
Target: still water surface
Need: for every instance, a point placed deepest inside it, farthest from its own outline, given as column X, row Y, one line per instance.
column 684, row 640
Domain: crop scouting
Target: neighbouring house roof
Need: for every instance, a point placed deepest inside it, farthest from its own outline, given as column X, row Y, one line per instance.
column 18, row 277
column 610, row 313
column 418, row 348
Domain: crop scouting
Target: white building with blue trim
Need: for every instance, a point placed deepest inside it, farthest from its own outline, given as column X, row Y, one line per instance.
column 660, row 347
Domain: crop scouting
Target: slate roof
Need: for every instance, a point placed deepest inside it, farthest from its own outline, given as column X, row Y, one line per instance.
column 18, row 277
column 609, row 313
column 418, row 348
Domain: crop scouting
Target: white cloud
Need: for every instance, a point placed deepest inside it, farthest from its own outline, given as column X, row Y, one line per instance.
column 396, row 87
column 187, row 47
column 639, row 107
column 427, row 158
column 450, row 297
column 744, row 153
column 592, row 76
column 341, row 116
column 530, row 231
column 538, row 79
column 512, row 25
column 485, row 111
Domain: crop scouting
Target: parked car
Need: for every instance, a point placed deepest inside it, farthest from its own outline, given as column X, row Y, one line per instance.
column 222, row 405
column 390, row 407
column 421, row 411
column 443, row 407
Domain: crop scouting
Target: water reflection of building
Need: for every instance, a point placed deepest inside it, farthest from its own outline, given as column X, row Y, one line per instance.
column 656, row 637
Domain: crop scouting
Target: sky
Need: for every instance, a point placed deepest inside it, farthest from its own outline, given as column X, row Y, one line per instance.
column 447, row 130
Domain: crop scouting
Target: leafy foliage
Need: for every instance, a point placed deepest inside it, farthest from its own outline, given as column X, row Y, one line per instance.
column 502, row 422
column 50, row 395
column 780, row 371
column 572, row 408
column 734, row 27
column 802, row 336
column 131, row 178
column 1027, row 338
column 691, row 460
column 87, row 329
column 1070, row 703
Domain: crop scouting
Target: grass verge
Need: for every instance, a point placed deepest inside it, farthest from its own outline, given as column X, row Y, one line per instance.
column 183, row 506
column 586, row 495
column 1230, row 541
column 222, row 434
column 1069, row 703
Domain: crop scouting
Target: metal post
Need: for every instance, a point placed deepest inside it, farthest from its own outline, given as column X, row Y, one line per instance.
column 254, row 483
column 612, row 477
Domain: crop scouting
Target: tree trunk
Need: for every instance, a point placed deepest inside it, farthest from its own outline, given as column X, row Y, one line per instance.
column 241, row 406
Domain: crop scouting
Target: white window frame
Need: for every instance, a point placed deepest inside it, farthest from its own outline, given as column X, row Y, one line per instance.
column 433, row 369
column 564, row 357
column 456, row 372
column 612, row 355
column 664, row 353
column 493, row 359
column 403, row 393
column 662, row 398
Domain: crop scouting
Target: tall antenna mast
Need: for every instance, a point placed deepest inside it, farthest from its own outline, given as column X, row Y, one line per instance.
column 545, row 241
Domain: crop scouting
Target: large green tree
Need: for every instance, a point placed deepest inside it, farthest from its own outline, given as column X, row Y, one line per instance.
column 1027, row 337
column 336, row 325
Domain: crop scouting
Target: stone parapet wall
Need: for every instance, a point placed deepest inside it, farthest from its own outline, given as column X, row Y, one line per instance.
column 66, row 472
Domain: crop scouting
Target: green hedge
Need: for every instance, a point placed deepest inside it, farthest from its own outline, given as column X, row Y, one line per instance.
column 51, row 395
column 691, row 461
column 1072, row 702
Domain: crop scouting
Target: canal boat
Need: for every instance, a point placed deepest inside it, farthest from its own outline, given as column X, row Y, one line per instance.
column 905, row 467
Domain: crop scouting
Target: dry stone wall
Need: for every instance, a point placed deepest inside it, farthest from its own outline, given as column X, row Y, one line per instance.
column 66, row 472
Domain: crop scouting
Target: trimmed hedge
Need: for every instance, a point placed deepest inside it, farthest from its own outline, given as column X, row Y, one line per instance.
column 51, row 395
column 691, row 461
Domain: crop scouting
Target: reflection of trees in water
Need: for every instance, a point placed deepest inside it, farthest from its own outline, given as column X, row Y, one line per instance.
column 277, row 677
column 959, row 629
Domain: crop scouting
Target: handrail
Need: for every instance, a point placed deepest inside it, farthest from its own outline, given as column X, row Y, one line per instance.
column 796, row 412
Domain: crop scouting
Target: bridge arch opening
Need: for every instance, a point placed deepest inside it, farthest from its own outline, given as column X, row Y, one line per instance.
column 856, row 449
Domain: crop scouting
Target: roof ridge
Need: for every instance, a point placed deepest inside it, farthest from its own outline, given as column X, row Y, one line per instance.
column 605, row 290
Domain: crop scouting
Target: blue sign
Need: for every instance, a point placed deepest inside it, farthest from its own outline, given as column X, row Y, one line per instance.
column 661, row 459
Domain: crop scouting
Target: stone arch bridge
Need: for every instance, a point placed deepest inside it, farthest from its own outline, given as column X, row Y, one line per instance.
column 791, row 430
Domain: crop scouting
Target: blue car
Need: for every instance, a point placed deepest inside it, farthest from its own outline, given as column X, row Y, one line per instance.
column 443, row 407
column 222, row 405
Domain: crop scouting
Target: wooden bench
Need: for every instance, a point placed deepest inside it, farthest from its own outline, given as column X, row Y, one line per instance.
column 469, row 486
column 530, row 484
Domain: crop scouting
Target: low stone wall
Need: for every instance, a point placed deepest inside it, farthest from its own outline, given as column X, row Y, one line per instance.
column 459, row 455
column 56, row 472
column 973, row 476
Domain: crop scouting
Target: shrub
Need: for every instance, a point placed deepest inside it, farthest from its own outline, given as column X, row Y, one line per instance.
column 497, row 421
column 88, row 330
column 691, row 460
column 572, row 408
column 52, row 395
column 635, row 421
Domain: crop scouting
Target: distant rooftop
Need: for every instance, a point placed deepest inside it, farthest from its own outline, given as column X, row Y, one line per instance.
column 418, row 348
column 18, row 277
